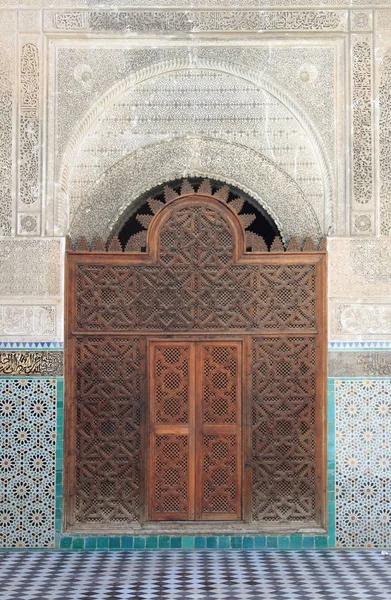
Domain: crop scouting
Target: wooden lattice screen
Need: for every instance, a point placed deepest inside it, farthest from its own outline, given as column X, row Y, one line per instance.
column 202, row 354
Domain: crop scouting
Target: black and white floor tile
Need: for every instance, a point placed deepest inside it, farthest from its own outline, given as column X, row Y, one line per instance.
column 196, row 575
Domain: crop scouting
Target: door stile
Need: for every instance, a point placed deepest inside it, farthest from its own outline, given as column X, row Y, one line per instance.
column 223, row 432
column 171, row 440
column 192, row 483
column 198, row 434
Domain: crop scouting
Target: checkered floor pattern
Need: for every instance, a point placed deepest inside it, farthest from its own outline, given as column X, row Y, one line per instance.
column 196, row 575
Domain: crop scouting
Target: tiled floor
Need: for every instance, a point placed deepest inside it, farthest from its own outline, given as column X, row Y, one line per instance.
column 196, row 575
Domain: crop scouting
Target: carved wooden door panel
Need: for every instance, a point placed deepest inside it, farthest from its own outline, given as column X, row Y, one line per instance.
column 195, row 430
column 156, row 338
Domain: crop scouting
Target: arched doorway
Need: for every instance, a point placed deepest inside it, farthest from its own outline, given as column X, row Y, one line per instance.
column 196, row 373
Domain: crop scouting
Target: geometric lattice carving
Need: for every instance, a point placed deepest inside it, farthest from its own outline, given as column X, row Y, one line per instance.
column 195, row 277
column 171, row 443
column 108, row 431
column 283, row 429
column 195, row 441
column 220, row 439
column 264, row 297
column 172, row 385
column 195, row 285
column 219, row 389
column 171, row 476
column 170, row 194
column 220, row 457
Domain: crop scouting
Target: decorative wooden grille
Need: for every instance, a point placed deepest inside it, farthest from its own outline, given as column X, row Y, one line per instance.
column 108, row 430
column 246, row 331
column 283, row 428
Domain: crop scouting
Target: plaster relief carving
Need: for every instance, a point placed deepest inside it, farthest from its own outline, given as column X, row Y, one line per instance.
column 29, row 146
column 363, row 224
column 362, row 120
column 193, row 21
column 6, row 112
column 359, row 364
column 363, row 319
column 30, row 267
column 188, row 102
column 28, row 224
column 359, row 267
column 208, row 69
column 29, row 21
column 98, row 214
column 385, row 144
column 361, row 20
column 36, row 321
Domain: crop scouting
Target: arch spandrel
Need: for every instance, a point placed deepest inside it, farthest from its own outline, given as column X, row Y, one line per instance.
column 68, row 198
column 121, row 186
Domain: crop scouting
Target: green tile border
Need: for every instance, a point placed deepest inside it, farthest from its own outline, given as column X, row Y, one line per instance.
column 295, row 541
column 60, row 463
column 330, row 468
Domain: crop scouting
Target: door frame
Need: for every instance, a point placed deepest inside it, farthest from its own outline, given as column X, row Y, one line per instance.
column 245, row 406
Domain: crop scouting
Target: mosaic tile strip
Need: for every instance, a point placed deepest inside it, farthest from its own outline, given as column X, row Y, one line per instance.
column 363, row 462
column 27, row 463
column 31, row 363
column 59, row 461
column 370, row 363
column 32, row 345
column 359, row 345
column 293, row 541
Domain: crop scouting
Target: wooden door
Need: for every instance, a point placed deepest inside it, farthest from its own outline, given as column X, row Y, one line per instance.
column 195, row 465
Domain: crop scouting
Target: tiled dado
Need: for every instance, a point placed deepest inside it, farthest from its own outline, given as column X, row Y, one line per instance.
column 363, row 461
column 30, row 442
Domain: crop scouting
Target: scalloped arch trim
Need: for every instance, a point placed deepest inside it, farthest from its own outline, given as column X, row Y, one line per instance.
column 247, row 170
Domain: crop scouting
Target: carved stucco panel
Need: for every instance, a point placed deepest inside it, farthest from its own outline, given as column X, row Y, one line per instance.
column 29, row 183
column 6, row 134
column 310, row 180
column 306, row 71
column 98, row 214
column 360, row 319
column 30, row 267
column 362, row 121
column 204, row 103
column 359, row 289
column 164, row 21
column 24, row 319
column 385, row 144
column 359, row 364
column 359, row 267
column 191, row 4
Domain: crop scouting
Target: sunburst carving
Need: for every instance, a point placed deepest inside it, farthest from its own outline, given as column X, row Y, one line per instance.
column 253, row 242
